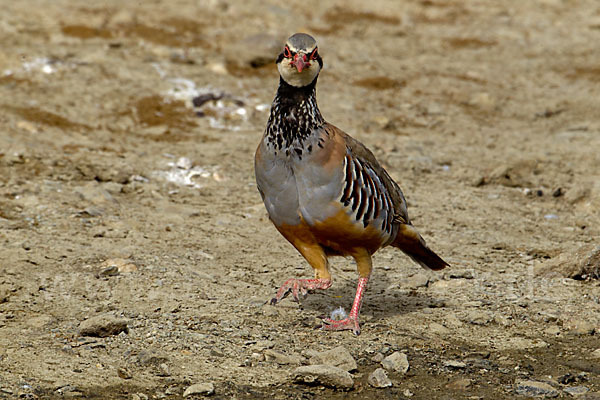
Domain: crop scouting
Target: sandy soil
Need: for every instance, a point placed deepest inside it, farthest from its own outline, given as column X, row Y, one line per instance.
column 119, row 198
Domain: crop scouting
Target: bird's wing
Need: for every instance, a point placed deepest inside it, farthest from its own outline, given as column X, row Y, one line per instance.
column 368, row 186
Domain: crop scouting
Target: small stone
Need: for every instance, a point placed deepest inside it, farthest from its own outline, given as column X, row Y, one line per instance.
column 455, row 364
column 438, row 329
column 205, row 389
column 163, row 370
column 103, row 326
column 338, row 357
column 459, row 384
column 596, row 353
column 397, row 362
column 216, row 352
column 150, row 357
column 416, row 281
column 576, row 391
column 326, row 375
column 579, row 327
column 582, row 263
column 282, row 358
column 109, row 271
column 483, row 101
column 40, row 321
column 379, row 379
column 27, row 126
column 378, row 357
column 477, row 317
column 120, row 265
column 552, row 330
column 462, row 274
column 124, row 373
column 535, row 389
column 4, row 295
column 577, row 193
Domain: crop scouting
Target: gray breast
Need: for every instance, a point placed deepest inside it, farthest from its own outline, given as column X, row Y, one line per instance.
column 318, row 189
column 277, row 184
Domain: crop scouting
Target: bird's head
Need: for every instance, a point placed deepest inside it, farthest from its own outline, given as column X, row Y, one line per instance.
column 299, row 63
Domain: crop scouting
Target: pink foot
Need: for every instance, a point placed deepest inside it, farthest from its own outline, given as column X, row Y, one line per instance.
column 299, row 287
column 349, row 323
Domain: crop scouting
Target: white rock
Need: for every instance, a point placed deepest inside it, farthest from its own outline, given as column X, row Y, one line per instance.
column 200, row 388
column 535, row 389
column 576, row 391
column 379, row 379
column 102, row 326
column 397, row 362
column 339, row 357
column 326, row 375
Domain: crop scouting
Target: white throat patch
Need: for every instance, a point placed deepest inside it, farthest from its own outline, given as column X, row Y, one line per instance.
column 290, row 73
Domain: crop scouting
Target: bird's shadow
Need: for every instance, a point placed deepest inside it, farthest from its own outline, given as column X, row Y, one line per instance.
column 378, row 302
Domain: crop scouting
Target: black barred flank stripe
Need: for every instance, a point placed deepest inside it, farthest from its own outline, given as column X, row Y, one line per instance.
column 365, row 194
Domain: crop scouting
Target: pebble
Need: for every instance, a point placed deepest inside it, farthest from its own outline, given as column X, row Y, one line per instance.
column 378, row 357
column 552, row 331
column 455, row 364
column 576, row 193
column 438, row 329
column 582, row 263
column 415, row 281
column 205, row 389
column 124, row 373
column 459, row 384
column 483, row 101
column 103, row 325
column 326, row 375
column 163, row 370
column 477, row 317
column 396, row 362
column 576, row 391
column 462, row 274
column 120, row 264
column 4, row 295
column 535, row 389
column 40, row 321
column 579, row 327
column 338, row 357
column 282, row 358
column 379, row 379
column 150, row 357
column 93, row 193
column 596, row 353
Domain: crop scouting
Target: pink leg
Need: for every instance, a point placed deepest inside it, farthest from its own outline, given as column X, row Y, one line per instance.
column 299, row 287
column 352, row 321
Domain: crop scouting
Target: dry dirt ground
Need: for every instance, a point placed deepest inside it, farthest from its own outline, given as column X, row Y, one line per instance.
column 119, row 198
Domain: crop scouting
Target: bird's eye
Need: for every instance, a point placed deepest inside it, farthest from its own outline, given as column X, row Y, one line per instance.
column 286, row 52
column 314, row 54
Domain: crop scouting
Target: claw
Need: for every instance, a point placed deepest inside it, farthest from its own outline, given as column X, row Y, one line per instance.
column 299, row 287
column 349, row 323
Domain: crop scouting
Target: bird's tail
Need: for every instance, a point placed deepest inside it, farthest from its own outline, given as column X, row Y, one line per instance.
column 413, row 245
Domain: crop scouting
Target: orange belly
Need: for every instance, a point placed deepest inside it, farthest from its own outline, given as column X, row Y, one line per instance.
column 339, row 233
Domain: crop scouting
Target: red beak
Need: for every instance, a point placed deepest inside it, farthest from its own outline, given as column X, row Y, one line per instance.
column 300, row 62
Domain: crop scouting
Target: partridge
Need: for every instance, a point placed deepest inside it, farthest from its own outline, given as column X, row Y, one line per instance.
column 323, row 190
